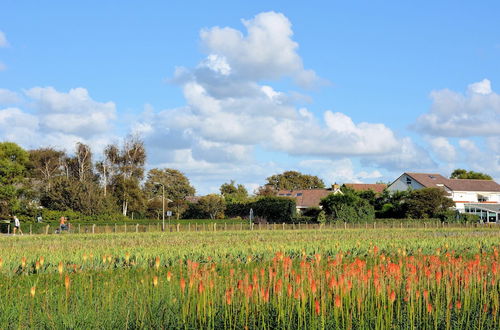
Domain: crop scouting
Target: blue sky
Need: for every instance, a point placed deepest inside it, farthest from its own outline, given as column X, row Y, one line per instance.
column 350, row 91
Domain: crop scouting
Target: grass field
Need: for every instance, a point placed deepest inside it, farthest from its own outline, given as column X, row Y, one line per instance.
column 309, row 279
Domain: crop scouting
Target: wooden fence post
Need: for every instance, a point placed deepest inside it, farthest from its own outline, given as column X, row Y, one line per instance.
column 178, row 227
column 137, row 228
column 125, row 227
column 225, row 226
column 215, row 226
column 374, row 224
column 47, row 230
column 31, row 232
column 93, row 228
column 345, row 225
column 115, row 228
column 283, row 226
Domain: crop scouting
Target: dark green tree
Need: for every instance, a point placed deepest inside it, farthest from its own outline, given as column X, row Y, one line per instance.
column 13, row 171
column 234, row 193
column 427, row 203
column 347, row 207
column 292, row 180
column 213, row 205
column 463, row 174
column 177, row 188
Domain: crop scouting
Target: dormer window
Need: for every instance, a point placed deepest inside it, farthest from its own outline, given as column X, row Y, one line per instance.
column 298, row 194
column 481, row 198
column 408, row 181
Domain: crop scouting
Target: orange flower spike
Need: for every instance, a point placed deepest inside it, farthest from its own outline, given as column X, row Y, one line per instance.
column 155, row 281
column 338, row 301
column 169, row 276
column 1, row 263
column 67, row 282
column 289, row 290
column 317, row 307
column 42, row 261
column 231, row 272
column 157, row 263
column 429, row 308
column 37, row 265
column 313, row 287
column 60, row 268
column 182, row 284
column 458, row 305
column 201, row 288
column 392, row 296
column 23, row 262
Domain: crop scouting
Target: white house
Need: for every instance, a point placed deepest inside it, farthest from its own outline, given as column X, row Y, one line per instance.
column 481, row 196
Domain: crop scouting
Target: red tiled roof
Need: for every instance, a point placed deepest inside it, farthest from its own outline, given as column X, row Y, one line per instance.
column 473, row 185
column 432, row 180
column 306, row 197
column 375, row 187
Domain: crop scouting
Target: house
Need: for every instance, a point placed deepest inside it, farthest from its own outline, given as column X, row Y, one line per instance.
column 481, row 196
column 377, row 188
column 306, row 198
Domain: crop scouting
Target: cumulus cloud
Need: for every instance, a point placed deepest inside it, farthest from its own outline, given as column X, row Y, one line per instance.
column 442, row 148
column 8, row 97
column 56, row 118
column 340, row 171
column 453, row 114
column 267, row 51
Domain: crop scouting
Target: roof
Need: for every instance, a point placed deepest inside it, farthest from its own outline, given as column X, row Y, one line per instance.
column 432, row 180
column 473, row 185
column 306, row 197
column 489, row 207
column 428, row 180
column 375, row 187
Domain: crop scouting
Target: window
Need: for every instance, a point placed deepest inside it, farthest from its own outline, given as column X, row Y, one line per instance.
column 298, row 194
column 408, row 180
column 481, row 198
column 289, row 194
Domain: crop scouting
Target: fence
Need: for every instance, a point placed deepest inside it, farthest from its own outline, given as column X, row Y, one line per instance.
column 214, row 227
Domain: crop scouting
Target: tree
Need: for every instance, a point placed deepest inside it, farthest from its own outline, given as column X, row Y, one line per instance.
column 463, row 174
column 233, row 193
column 265, row 191
column 13, row 164
column 45, row 165
column 427, row 203
column 176, row 184
column 124, row 171
column 347, row 207
column 213, row 205
column 292, row 180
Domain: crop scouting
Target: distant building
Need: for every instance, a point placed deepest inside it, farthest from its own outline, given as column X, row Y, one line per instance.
column 377, row 188
column 306, row 198
column 480, row 197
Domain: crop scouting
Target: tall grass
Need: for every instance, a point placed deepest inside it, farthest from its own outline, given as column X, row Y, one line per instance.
column 330, row 279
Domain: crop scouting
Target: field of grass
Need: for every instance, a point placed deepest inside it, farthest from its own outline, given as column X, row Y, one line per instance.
column 312, row 279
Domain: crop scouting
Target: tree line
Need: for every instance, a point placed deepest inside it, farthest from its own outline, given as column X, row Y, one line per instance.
column 47, row 181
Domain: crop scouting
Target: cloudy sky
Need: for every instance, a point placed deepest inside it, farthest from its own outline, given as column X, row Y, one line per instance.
column 351, row 92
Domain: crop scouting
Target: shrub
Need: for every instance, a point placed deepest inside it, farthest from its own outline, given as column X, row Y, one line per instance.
column 348, row 207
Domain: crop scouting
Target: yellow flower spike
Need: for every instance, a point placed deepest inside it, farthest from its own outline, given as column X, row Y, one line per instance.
column 157, row 263
column 60, row 268
column 1, row 263
column 33, row 291
column 42, row 260
column 23, row 262
column 127, row 257
column 85, row 257
column 155, row 281
column 109, row 259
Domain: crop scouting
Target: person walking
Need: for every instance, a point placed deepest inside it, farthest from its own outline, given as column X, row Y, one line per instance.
column 17, row 226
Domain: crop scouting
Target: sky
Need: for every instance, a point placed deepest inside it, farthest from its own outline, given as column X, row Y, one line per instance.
column 351, row 91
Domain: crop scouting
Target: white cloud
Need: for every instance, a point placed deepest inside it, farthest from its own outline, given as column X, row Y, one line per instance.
column 3, row 40
column 452, row 114
column 57, row 119
column 442, row 148
column 338, row 171
column 74, row 112
column 9, row 97
column 267, row 51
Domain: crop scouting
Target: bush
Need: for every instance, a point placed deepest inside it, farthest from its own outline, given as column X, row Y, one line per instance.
column 270, row 208
column 348, row 207
column 456, row 217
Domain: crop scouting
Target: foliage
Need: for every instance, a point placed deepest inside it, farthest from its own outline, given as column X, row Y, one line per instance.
column 347, row 207
column 300, row 279
column 464, row 174
column 70, row 195
column 427, row 203
column 175, row 185
column 265, row 191
column 270, row 208
column 233, row 193
column 451, row 216
column 212, row 205
column 13, row 164
column 293, row 180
